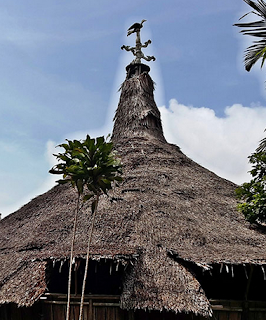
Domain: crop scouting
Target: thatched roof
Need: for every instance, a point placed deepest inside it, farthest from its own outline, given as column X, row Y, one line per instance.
column 137, row 113
column 168, row 209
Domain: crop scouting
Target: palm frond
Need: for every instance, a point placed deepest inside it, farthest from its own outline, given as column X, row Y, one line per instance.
column 259, row 23
column 260, row 7
column 255, row 29
column 262, row 145
column 253, row 53
column 256, row 32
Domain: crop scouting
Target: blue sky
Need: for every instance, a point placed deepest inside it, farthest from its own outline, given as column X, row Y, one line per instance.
column 61, row 67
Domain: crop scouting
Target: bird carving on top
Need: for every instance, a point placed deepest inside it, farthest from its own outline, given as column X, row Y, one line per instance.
column 135, row 27
column 137, row 49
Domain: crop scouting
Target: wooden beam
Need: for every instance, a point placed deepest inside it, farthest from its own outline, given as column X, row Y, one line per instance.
column 249, row 281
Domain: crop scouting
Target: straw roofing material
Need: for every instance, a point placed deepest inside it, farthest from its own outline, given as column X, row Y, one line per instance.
column 137, row 113
column 185, row 208
column 167, row 206
column 41, row 231
column 24, row 284
column 151, row 285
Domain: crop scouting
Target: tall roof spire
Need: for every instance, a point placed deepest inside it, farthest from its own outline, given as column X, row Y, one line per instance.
column 137, row 113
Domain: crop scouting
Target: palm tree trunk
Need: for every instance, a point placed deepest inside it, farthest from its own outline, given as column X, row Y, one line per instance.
column 87, row 257
column 71, row 258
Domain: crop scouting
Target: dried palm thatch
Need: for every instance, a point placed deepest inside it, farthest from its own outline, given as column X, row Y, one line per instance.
column 167, row 206
column 142, row 116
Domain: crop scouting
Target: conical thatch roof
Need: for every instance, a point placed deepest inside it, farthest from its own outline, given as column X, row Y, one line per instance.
column 168, row 210
column 137, row 113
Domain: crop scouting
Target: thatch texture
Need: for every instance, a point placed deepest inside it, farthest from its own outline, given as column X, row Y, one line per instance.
column 23, row 283
column 151, row 285
column 143, row 116
column 167, row 206
column 185, row 208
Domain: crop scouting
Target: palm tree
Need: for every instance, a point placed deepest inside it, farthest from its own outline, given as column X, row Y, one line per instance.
column 256, row 29
column 258, row 49
column 91, row 167
column 262, row 145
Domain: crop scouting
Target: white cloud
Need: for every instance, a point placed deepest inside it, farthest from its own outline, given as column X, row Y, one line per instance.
column 219, row 144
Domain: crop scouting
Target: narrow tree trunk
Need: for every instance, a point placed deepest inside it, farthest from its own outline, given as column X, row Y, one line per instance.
column 71, row 258
column 87, row 258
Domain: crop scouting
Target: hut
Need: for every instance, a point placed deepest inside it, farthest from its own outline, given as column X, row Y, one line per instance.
column 168, row 243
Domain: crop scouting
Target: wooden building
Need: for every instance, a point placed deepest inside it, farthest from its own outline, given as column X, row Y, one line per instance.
column 168, row 243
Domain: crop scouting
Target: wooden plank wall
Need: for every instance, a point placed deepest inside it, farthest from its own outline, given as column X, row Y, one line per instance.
column 107, row 308
column 57, row 312
column 238, row 310
column 95, row 307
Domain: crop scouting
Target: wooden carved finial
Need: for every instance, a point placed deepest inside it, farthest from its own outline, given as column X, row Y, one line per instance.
column 135, row 28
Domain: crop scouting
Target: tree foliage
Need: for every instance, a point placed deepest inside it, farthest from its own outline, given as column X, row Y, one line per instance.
column 253, row 193
column 262, row 145
column 92, row 168
column 256, row 29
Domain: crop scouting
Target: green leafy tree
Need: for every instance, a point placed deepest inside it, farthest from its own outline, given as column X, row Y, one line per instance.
column 92, row 168
column 253, row 194
column 256, row 29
